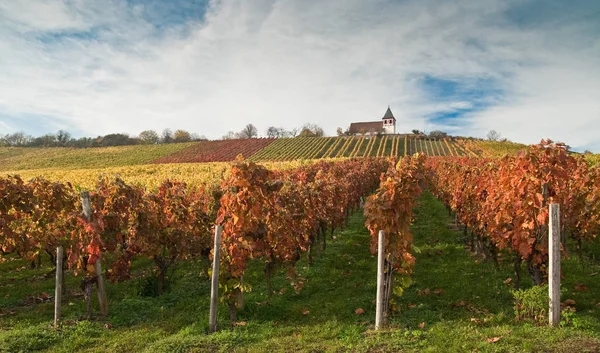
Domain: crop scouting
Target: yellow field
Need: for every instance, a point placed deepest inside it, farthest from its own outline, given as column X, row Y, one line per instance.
column 149, row 176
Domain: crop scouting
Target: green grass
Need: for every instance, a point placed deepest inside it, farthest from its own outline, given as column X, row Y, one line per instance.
column 321, row 317
column 20, row 158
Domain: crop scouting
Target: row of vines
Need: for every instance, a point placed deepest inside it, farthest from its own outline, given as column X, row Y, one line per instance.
column 502, row 203
column 274, row 216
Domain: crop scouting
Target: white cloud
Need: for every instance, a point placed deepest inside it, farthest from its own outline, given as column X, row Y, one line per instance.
column 285, row 63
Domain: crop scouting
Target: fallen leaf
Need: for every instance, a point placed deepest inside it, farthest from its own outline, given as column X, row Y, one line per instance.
column 305, row 312
column 297, row 334
column 508, row 280
column 240, row 323
column 569, row 302
column 459, row 303
column 424, row 292
column 581, row 287
column 422, row 325
column 477, row 321
column 359, row 311
column 439, row 291
column 412, row 305
column 108, row 326
column 494, row 339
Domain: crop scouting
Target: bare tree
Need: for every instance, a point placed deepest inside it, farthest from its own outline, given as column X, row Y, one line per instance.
column 166, row 136
column 493, row 135
column 249, row 131
column 276, row 132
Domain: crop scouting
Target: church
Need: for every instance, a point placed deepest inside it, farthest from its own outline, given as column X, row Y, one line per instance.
column 387, row 125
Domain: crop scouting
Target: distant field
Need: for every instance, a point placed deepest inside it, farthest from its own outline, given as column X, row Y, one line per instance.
column 19, row 158
column 216, row 151
column 593, row 159
column 359, row 146
column 149, row 176
column 257, row 149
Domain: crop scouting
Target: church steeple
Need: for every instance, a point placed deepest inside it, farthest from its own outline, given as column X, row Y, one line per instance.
column 388, row 114
column 389, row 122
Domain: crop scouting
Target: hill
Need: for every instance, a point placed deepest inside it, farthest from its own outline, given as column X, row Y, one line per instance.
column 257, row 149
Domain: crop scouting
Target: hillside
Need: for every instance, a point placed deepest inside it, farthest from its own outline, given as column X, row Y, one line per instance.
column 258, row 149
column 21, row 158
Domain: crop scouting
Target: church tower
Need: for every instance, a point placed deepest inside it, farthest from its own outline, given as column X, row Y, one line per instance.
column 389, row 122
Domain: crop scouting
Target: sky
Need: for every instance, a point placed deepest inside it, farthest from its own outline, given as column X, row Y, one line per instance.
column 527, row 69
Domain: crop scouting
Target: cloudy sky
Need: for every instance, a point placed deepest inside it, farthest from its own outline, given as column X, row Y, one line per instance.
column 528, row 69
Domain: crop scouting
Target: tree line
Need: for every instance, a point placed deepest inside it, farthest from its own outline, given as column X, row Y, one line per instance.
column 63, row 138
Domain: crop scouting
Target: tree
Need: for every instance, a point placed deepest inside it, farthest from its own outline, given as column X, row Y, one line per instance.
column 417, row 132
column 117, row 140
column 230, row 135
column 167, row 136
column 148, row 137
column 437, row 134
column 249, row 131
column 181, row 136
column 63, row 137
column 311, row 130
column 276, row 132
column 339, row 131
column 493, row 135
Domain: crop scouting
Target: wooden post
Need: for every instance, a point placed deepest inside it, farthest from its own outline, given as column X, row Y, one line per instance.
column 59, row 284
column 379, row 314
column 102, row 297
column 214, row 289
column 554, row 265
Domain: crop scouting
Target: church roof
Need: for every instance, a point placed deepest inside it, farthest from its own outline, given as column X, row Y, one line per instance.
column 388, row 114
column 371, row 126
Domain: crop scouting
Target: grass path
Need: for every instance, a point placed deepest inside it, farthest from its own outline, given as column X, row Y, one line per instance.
column 455, row 305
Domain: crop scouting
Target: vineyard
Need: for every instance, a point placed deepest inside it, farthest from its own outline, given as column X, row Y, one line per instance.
column 262, row 149
column 24, row 158
column 363, row 146
column 216, row 151
column 296, row 268
column 148, row 176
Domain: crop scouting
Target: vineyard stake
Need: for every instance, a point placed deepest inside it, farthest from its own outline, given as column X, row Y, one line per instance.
column 102, row 298
column 379, row 315
column 214, row 288
column 59, row 283
column 554, row 265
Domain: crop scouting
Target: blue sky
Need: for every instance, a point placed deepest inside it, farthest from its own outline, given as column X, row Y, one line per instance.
column 528, row 69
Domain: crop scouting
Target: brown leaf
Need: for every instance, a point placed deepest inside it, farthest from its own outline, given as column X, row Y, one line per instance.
column 439, row 291
column 421, row 325
column 240, row 323
column 305, row 311
column 359, row 311
column 412, row 305
column 459, row 303
column 494, row 339
column 424, row 292
column 581, row 287
column 477, row 321
column 508, row 280
column 108, row 326
column 569, row 302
